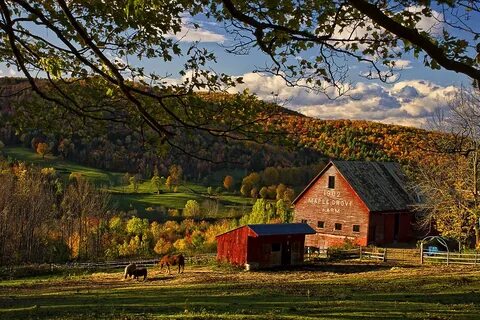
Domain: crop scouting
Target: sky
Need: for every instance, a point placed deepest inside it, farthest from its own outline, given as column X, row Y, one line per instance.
column 410, row 100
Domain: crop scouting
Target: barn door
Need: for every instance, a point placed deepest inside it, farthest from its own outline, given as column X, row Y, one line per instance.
column 396, row 227
column 373, row 234
column 287, row 253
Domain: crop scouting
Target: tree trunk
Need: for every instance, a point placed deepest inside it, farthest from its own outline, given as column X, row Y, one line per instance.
column 477, row 235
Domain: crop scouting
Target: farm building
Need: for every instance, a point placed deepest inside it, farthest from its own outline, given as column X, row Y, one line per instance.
column 362, row 201
column 263, row 245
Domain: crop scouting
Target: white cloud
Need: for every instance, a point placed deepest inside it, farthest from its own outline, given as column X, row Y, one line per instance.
column 12, row 72
column 433, row 24
column 409, row 102
column 403, row 64
column 190, row 33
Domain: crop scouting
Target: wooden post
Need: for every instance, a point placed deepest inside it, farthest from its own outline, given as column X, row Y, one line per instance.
column 448, row 262
column 385, row 255
column 476, row 253
column 360, row 252
column 421, row 252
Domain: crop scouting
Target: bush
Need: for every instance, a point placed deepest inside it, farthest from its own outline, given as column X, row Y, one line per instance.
column 192, row 209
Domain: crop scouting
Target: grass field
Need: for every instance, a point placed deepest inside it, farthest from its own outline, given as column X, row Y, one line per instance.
column 320, row 292
column 98, row 176
column 122, row 195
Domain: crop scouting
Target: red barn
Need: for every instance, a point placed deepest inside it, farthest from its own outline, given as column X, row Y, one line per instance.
column 263, row 245
column 362, row 201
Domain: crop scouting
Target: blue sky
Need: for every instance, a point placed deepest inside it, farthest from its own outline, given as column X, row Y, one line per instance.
column 410, row 100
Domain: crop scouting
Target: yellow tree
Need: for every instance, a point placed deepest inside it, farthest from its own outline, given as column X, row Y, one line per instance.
column 450, row 186
column 42, row 149
column 228, row 182
column 169, row 183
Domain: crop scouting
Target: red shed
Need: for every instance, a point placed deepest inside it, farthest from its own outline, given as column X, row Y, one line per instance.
column 264, row 245
column 363, row 201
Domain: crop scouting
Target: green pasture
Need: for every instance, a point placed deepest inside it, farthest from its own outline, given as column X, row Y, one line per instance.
column 321, row 292
column 98, row 176
column 123, row 196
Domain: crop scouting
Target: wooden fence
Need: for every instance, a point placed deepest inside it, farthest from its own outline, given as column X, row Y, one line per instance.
column 361, row 253
column 448, row 258
column 196, row 259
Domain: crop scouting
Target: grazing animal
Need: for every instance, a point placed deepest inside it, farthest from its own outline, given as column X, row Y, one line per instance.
column 173, row 260
column 140, row 272
column 129, row 270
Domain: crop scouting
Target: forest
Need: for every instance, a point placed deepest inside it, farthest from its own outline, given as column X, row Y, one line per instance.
column 149, row 201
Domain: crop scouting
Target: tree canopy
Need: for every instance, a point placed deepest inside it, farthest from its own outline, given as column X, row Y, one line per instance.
column 334, row 33
column 311, row 43
column 88, row 55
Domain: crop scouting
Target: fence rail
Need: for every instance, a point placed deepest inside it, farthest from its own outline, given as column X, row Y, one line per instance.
column 451, row 258
column 196, row 259
column 357, row 253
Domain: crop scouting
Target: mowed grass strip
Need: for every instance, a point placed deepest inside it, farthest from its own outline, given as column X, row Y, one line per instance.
column 123, row 195
column 64, row 167
column 324, row 292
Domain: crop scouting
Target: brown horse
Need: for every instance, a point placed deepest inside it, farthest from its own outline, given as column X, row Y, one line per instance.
column 139, row 272
column 173, row 260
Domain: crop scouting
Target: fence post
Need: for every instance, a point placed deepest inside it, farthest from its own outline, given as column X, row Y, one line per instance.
column 421, row 252
column 360, row 252
column 385, row 255
column 448, row 262
column 476, row 254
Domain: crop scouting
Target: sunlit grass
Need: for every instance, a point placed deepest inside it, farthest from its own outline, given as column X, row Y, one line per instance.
column 63, row 167
column 123, row 195
column 323, row 292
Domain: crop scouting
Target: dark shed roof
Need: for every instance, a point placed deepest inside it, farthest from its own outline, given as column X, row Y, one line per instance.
column 380, row 185
column 281, row 229
column 277, row 229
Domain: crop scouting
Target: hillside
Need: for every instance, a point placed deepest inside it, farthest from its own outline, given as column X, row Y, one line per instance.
column 145, row 201
column 300, row 141
column 357, row 139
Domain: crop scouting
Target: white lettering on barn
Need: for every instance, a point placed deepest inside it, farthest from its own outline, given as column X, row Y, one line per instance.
column 331, row 193
column 330, row 210
column 330, row 202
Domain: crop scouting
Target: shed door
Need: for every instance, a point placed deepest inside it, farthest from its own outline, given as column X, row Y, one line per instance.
column 276, row 255
column 286, row 253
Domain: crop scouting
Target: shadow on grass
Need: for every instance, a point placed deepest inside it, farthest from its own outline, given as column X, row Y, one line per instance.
column 340, row 268
column 207, row 303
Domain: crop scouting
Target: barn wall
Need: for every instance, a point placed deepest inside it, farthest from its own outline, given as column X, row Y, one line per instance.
column 389, row 221
column 232, row 246
column 377, row 228
column 406, row 227
column 338, row 205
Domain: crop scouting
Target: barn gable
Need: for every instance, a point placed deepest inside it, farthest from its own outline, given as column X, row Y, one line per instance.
column 364, row 202
column 380, row 185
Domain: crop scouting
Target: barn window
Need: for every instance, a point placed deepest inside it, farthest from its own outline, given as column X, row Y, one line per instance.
column 338, row 226
column 275, row 247
column 321, row 224
column 304, row 221
column 331, row 182
column 356, row 228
